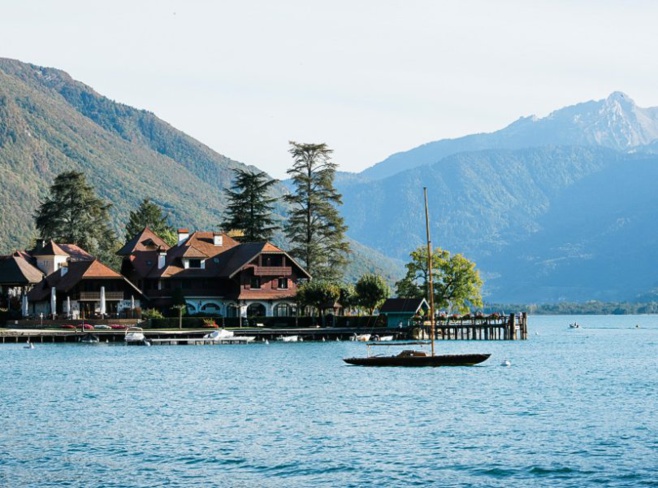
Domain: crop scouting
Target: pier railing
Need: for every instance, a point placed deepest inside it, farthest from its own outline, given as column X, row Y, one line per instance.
column 480, row 327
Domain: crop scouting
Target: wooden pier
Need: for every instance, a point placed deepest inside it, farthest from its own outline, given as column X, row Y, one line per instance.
column 493, row 327
column 469, row 328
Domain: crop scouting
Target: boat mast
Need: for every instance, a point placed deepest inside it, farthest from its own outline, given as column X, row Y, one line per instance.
column 429, row 269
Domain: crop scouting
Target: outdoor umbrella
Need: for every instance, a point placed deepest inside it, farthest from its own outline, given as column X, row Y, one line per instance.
column 53, row 301
column 102, row 301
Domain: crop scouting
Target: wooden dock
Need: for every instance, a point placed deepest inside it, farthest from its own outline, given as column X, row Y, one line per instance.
column 471, row 328
column 483, row 328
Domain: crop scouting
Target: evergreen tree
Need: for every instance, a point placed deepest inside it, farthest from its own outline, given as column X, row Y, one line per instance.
column 250, row 208
column 150, row 215
column 314, row 227
column 73, row 214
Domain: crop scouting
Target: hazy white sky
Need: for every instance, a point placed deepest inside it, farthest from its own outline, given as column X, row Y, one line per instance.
column 368, row 77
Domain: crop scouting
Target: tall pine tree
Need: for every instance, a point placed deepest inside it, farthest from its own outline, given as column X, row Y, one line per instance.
column 150, row 215
column 314, row 226
column 73, row 214
column 249, row 208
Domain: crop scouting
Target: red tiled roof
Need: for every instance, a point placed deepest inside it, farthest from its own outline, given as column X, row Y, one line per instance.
column 50, row 249
column 66, row 279
column 193, row 252
column 198, row 245
column 76, row 253
column 146, row 240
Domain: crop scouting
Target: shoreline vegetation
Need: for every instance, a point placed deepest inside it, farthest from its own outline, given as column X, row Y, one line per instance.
column 587, row 308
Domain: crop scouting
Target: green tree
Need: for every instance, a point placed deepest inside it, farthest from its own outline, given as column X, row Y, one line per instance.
column 457, row 284
column 348, row 297
column 318, row 294
column 371, row 291
column 150, row 215
column 249, row 207
column 314, row 226
column 73, row 214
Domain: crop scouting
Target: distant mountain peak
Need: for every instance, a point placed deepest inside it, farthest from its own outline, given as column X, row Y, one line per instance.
column 615, row 122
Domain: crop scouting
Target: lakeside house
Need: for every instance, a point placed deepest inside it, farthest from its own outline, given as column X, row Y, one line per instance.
column 400, row 312
column 77, row 285
column 214, row 273
column 18, row 275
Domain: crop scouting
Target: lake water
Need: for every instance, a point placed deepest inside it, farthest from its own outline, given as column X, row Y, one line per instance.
column 575, row 408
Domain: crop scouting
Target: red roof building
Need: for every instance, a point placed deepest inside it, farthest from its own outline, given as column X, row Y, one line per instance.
column 215, row 273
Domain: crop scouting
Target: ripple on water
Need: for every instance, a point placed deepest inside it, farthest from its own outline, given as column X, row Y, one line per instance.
column 575, row 410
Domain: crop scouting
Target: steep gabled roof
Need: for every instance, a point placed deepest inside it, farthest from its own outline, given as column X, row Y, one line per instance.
column 49, row 249
column 66, row 279
column 16, row 270
column 245, row 253
column 146, row 240
column 193, row 252
column 76, row 253
column 199, row 245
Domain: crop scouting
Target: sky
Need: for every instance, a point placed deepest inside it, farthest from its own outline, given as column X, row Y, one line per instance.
column 369, row 78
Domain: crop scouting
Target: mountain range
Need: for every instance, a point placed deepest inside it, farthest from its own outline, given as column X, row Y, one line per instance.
column 551, row 209
column 559, row 208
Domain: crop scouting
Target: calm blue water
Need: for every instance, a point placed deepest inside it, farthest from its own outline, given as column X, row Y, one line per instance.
column 575, row 408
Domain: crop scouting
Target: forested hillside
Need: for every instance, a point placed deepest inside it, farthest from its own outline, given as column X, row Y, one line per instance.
column 50, row 123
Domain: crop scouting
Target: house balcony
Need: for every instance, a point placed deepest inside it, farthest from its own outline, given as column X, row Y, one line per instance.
column 272, row 270
column 95, row 296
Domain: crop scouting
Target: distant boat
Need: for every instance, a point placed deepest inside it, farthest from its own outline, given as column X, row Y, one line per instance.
column 574, row 325
column 415, row 358
column 361, row 337
column 223, row 336
column 89, row 339
column 290, row 338
column 28, row 345
column 135, row 337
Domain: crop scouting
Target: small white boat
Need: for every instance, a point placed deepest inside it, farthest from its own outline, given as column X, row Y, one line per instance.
column 290, row 338
column 135, row 337
column 361, row 337
column 223, row 336
column 28, row 345
column 90, row 339
column 386, row 338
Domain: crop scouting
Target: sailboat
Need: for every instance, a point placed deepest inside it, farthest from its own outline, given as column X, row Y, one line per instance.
column 416, row 358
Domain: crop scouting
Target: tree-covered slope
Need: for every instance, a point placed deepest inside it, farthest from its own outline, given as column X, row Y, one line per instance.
column 542, row 224
column 50, row 123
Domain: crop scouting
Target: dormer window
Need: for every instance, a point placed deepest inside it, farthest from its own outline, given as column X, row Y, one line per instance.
column 194, row 263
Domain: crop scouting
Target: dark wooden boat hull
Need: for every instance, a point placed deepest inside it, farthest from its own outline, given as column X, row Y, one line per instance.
column 420, row 361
